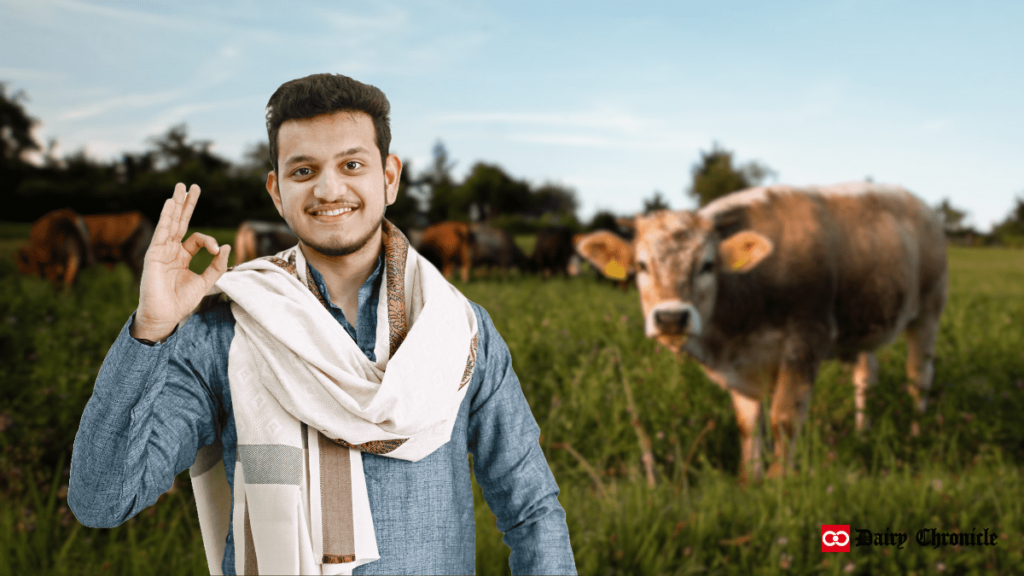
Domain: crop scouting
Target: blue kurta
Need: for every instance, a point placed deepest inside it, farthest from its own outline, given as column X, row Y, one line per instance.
column 154, row 407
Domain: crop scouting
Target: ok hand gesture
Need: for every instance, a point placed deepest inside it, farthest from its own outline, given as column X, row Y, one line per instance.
column 168, row 289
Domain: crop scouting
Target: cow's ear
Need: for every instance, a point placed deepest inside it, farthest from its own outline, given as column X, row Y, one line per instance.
column 742, row 252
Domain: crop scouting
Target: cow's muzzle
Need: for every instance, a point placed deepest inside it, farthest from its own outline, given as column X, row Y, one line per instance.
column 672, row 318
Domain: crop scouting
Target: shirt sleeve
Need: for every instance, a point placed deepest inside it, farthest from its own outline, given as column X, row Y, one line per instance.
column 152, row 408
column 511, row 468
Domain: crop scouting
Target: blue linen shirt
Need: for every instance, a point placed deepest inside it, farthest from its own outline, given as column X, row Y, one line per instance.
column 154, row 407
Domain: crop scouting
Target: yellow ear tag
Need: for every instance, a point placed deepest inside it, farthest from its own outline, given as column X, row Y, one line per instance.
column 615, row 270
column 741, row 263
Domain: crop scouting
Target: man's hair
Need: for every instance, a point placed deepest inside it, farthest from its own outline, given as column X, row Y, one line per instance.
column 325, row 94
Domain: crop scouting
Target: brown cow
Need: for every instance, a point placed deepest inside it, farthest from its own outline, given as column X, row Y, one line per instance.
column 123, row 237
column 57, row 249
column 610, row 255
column 446, row 243
column 763, row 285
column 256, row 239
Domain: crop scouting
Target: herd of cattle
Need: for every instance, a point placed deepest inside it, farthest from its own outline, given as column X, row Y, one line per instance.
column 760, row 287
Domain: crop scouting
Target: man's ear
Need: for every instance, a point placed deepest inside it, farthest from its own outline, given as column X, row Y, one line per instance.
column 275, row 191
column 392, row 178
column 742, row 252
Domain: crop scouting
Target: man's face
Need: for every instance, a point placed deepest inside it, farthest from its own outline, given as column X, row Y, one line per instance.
column 331, row 188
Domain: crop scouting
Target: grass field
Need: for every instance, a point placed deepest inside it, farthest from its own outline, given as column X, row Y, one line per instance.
column 579, row 352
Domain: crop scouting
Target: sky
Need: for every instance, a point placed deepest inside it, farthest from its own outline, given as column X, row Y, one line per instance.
column 615, row 99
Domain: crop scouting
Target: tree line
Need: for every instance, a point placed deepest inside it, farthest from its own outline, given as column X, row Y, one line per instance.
column 233, row 192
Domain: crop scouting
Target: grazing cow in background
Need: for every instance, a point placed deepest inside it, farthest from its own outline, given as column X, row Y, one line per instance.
column 763, row 285
column 444, row 244
column 57, row 249
column 553, row 250
column 256, row 239
column 123, row 237
column 495, row 247
column 610, row 255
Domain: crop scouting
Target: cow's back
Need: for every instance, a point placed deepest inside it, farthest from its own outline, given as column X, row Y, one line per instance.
column 858, row 257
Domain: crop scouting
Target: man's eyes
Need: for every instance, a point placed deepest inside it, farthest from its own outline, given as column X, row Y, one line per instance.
column 350, row 165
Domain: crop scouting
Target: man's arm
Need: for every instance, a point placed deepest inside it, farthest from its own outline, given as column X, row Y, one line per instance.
column 511, row 468
column 152, row 408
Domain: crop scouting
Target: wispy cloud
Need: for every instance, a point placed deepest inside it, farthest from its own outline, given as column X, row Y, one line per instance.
column 119, row 102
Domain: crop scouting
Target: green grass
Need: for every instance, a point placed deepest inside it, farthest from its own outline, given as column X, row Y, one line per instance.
column 576, row 344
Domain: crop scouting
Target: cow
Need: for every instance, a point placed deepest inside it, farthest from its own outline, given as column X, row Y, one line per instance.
column 609, row 254
column 553, row 250
column 122, row 237
column 762, row 285
column 496, row 247
column 256, row 239
column 446, row 243
column 57, row 249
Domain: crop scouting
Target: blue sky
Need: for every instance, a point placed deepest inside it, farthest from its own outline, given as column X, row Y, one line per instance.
column 615, row 99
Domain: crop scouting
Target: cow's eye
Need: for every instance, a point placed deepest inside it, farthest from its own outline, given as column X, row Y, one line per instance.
column 641, row 266
column 707, row 267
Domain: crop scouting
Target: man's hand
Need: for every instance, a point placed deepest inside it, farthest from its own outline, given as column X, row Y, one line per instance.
column 168, row 289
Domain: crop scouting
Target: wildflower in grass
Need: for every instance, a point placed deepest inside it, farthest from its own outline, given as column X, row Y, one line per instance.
column 829, row 489
column 784, row 561
column 940, row 567
column 782, row 541
column 850, row 567
column 937, row 485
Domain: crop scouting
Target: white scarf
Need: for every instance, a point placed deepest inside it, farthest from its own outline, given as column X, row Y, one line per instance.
column 307, row 400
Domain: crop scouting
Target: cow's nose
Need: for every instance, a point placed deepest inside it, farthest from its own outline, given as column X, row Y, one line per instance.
column 671, row 321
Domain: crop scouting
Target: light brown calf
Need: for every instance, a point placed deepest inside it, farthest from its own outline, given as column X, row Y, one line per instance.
column 763, row 285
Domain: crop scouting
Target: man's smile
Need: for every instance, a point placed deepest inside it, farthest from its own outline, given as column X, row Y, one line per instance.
column 331, row 213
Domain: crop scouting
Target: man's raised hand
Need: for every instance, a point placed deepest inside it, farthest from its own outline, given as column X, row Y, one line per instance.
column 168, row 289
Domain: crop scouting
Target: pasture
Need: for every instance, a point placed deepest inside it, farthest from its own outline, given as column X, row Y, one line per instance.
column 611, row 406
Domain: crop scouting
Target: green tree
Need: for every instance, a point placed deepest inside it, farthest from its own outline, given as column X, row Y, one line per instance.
column 492, row 191
column 173, row 151
column 555, row 199
column 655, row 203
column 715, row 176
column 438, row 184
column 15, row 126
column 1011, row 230
column 603, row 220
column 954, row 217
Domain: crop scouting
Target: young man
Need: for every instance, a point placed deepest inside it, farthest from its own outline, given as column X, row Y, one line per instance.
column 324, row 399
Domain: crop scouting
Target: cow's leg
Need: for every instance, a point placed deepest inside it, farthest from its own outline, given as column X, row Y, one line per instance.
column 447, row 269
column 921, row 335
column 791, row 401
column 865, row 375
column 748, row 418
column 466, row 264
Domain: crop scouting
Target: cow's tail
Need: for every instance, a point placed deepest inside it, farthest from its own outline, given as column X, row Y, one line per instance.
column 73, row 247
column 89, row 257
